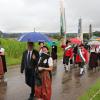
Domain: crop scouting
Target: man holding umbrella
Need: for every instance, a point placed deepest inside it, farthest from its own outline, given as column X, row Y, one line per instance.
column 29, row 63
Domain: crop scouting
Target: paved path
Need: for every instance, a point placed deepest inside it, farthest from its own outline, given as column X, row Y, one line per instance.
column 65, row 86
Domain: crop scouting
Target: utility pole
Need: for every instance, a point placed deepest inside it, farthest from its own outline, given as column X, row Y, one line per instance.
column 80, row 34
column 62, row 20
column 90, row 31
column 34, row 29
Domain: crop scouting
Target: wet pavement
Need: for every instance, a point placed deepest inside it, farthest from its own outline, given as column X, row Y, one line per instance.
column 65, row 86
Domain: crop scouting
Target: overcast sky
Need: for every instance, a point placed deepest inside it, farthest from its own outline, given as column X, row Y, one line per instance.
column 44, row 15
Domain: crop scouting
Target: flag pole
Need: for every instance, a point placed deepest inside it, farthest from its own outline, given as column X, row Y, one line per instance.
column 63, row 20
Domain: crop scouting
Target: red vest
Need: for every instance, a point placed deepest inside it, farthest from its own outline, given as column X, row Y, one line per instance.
column 68, row 52
column 85, row 55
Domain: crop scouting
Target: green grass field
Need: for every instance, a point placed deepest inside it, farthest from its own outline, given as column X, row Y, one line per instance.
column 91, row 92
column 14, row 50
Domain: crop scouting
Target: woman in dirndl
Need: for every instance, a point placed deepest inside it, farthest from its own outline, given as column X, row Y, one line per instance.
column 93, row 62
column 3, row 67
column 45, row 66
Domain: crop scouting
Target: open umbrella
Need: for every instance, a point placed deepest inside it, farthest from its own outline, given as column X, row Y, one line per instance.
column 34, row 37
column 75, row 41
column 53, row 43
column 94, row 43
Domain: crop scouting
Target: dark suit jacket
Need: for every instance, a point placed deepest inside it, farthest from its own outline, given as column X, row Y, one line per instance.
column 29, row 69
column 54, row 52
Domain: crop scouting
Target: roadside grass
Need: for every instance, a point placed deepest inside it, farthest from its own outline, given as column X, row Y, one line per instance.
column 60, row 52
column 12, row 61
column 14, row 50
column 91, row 92
column 97, row 97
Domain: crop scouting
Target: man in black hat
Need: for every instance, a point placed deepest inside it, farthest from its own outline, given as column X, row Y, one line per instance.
column 29, row 63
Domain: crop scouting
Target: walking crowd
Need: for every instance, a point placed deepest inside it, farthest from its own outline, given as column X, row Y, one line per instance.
column 39, row 65
column 81, row 55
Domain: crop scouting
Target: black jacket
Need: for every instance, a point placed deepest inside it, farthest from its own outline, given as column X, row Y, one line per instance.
column 54, row 52
column 29, row 69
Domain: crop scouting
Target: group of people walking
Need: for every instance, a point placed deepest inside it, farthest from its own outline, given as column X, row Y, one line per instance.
column 38, row 66
column 74, row 54
column 79, row 54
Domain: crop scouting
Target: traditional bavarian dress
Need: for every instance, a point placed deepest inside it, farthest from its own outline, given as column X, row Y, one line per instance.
column 44, row 90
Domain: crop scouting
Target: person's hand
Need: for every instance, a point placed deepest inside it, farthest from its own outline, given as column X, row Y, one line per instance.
column 33, row 57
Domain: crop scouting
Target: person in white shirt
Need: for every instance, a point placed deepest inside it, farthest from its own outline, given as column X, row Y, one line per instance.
column 45, row 66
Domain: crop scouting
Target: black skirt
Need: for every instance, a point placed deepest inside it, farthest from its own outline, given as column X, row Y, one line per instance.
column 99, row 56
column 93, row 62
column 53, row 55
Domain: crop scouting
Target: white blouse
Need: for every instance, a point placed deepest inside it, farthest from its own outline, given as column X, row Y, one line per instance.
column 50, row 62
column 2, row 50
